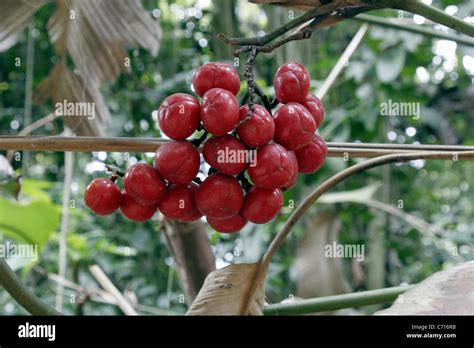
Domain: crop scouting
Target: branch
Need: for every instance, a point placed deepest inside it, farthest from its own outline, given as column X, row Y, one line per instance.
column 331, row 303
column 141, row 145
column 429, row 32
column 108, row 286
column 329, row 184
column 343, row 59
column 433, row 14
column 21, row 294
column 189, row 246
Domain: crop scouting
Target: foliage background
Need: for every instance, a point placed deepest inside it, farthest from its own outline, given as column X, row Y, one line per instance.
column 389, row 64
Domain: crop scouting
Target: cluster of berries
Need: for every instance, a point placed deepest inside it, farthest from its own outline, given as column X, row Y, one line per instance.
column 246, row 142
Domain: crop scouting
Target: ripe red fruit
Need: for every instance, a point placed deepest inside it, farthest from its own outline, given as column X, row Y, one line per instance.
column 295, row 168
column 259, row 129
column 291, row 83
column 312, row 156
column 102, row 196
column 177, row 161
column 227, row 154
column 219, row 111
column 262, row 205
column 178, row 116
column 315, row 107
column 179, row 204
column 294, row 126
column 136, row 211
column 216, row 75
column 229, row 225
column 143, row 184
column 219, row 196
column 274, row 167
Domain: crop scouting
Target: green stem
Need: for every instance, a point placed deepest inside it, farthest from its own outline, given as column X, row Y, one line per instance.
column 388, row 23
column 331, row 303
column 434, row 14
column 25, row 298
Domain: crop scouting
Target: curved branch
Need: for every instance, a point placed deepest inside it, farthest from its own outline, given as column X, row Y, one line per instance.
column 25, row 298
column 391, row 23
column 335, row 302
column 329, row 184
column 434, row 14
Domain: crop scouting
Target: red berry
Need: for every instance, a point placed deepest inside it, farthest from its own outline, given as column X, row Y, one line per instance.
column 294, row 126
column 274, row 167
column 291, row 83
column 196, row 216
column 178, row 116
column 293, row 179
column 143, row 184
column 102, row 196
column 312, row 156
column 262, row 205
column 219, row 197
column 216, row 75
column 315, row 107
column 219, row 111
column 229, row 225
column 178, row 203
column 136, row 211
column 227, row 154
column 177, row 161
column 259, row 129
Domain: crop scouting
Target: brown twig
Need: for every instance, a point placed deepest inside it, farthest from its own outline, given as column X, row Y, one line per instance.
column 141, row 145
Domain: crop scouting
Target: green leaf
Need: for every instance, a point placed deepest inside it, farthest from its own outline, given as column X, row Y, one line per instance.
column 390, row 64
column 31, row 223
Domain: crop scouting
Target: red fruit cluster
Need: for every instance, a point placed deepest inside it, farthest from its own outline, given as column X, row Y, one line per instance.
column 244, row 143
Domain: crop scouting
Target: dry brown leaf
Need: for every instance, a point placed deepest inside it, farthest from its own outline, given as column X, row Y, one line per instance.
column 232, row 290
column 449, row 292
column 15, row 17
column 94, row 33
column 64, row 85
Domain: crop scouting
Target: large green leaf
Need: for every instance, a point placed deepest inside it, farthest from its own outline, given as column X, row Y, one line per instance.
column 31, row 222
column 390, row 64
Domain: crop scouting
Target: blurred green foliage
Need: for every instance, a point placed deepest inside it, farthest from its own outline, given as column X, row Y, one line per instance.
column 392, row 65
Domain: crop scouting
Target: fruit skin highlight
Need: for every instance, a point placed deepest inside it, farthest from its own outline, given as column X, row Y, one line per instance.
column 178, row 116
column 219, row 111
column 179, row 203
column 216, row 75
column 228, row 225
column 315, row 107
column 275, row 167
column 177, row 161
column 259, row 129
column 219, row 197
column 291, row 82
column 294, row 126
column 312, row 156
column 136, row 211
column 262, row 205
column 102, row 196
column 143, row 184
column 226, row 154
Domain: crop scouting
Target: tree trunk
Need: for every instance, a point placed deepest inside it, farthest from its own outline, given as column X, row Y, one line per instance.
column 191, row 251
